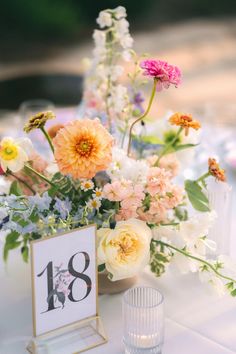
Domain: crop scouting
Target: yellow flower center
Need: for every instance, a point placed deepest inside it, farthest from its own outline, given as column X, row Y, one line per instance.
column 127, row 247
column 9, row 152
column 85, row 147
column 94, row 204
column 98, row 193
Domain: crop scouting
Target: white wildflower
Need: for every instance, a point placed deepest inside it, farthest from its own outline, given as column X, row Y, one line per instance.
column 122, row 27
column 99, row 38
column 87, row 185
column 97, row 193
column 94, row 203
column 126, row 41
column 120, row 12
column 104, row 19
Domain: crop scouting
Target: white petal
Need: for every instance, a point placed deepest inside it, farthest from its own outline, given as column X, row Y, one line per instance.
column 15, row 165
column 25, row 144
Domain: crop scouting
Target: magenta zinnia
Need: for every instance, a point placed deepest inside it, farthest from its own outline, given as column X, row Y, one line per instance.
column 165, row 73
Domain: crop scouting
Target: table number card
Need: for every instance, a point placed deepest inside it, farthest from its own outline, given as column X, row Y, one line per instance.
column 64, row 279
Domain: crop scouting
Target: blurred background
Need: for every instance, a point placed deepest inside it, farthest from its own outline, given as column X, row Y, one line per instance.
column 43, row 42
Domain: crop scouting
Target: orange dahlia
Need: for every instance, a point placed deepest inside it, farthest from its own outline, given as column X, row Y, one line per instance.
column 83, row 148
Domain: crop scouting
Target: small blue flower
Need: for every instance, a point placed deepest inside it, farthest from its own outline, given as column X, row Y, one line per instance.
column 63, row 207
column 13, row 226
column 40, row 202
column 28, row 229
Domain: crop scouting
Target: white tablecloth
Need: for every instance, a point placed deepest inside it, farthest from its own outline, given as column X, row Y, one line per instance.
column 197, row 322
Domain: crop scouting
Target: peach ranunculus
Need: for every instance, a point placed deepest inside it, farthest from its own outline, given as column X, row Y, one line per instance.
column 83, row 148
column 125, row 250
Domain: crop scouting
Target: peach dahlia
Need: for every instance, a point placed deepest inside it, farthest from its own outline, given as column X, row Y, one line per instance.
column 83, row 148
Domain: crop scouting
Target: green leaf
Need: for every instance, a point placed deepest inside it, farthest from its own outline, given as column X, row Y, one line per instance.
column 15, row 189
column 184, row 146
column 11, row 243
column 174, row 148
column 233, row 292
column 230, row 285
column 25, row 253
column 152, row 139
column 101, row 267
column 197, row 198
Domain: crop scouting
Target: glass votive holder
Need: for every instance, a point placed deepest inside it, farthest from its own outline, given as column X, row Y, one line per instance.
column 143, row 321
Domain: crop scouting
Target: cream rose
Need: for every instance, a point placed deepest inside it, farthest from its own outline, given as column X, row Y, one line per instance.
column 124, row 250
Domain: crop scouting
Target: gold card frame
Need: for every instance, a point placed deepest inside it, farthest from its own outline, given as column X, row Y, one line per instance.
column 31, row 348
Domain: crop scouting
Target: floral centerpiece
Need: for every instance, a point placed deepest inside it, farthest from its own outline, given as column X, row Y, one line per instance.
column 106, row 169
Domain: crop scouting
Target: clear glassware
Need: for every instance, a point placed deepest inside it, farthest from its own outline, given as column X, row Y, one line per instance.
column 143, row 321
column 31, row 107
column 220, row 199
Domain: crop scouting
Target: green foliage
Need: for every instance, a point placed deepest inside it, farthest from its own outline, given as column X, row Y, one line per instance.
column 181, row 213
column 158, row 259
column 15, row 189
column 25, row 253
column 175, row 148
column 196, row 196
column 11, row 242
column 64, row 184
column 101, row 268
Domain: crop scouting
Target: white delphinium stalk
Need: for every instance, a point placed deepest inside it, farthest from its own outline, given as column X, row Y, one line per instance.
column 113, row 42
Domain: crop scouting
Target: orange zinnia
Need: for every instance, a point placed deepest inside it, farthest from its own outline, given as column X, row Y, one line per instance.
column 185, row 121
column 215, row 170
column 83, row 148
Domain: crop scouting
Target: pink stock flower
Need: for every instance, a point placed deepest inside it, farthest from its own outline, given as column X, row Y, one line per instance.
column 158, row 180
column 155, row 217
column 134, row 198
column 125, row 214
column 173, row 197
column 166, row 74
column 169, row 162
column 117, row 190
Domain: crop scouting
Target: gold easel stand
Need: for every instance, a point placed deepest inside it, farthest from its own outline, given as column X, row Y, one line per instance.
column 73, row 339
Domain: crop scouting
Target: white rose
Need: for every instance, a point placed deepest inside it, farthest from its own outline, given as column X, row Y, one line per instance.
column 125, row 251
column 104, row 19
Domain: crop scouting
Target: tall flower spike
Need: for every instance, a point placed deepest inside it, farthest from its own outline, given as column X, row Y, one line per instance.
column 184, row 121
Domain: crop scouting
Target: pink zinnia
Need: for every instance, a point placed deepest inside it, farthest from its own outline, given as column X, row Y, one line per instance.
column 166, row 74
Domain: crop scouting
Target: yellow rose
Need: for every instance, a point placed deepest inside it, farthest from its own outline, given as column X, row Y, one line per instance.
column 125, row 251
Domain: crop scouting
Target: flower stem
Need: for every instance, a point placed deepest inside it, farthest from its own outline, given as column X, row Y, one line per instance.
column 29, row 168
column 21, row 181
column 203, row 261
column 48, row 138
column 143, row 115
column 203, row 177
column 167, row 147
